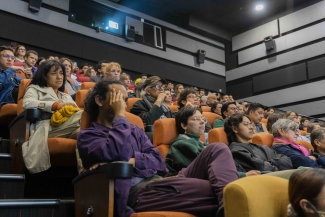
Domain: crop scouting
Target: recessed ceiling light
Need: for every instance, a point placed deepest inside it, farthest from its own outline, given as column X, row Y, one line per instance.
column 259, row 7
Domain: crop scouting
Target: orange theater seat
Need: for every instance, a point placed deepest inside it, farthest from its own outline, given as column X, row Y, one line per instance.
column 211, row 117
column 206, row 108
column 21, row 74
column 80, row 97
column 8, row 112
column 302, row 132
column 87, row 85
column 218, row 135
column 164, row 133
column 264, row 121
column 306, row 144
column 62, row 150
column 130, row 102
column 263, row 139
column 173, row 108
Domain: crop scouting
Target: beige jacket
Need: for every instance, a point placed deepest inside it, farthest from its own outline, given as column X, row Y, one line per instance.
column 35, row 150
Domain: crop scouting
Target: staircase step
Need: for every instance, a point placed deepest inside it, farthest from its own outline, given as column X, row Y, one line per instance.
column 12, row 186
column 4, row 145
column 5, row 160
column 37, row 208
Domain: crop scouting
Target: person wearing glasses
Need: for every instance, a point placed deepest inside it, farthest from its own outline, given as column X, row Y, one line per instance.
column 188, row 97
column 249, row 156
column 152, row 106
column 20, row 53
column 285, row 133
column 9, row 82
column 255, row 112
column 227, row 109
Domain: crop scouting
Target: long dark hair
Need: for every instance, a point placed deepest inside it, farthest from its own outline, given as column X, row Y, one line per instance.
column 40, row 77
column 271, row 120
column 182, row 117
column 233, row 120
column 305, row 184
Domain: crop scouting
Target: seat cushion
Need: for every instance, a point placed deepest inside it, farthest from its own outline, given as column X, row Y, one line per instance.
column 8, row 112
column 218, row 135
column 263, row 139
column 62, row 151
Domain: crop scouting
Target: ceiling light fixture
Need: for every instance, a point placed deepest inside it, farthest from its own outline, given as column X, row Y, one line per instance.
column 259, row 7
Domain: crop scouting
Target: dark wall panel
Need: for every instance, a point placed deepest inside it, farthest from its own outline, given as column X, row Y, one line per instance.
column 316, row 68
column 240, row 88
column 279, row 78
column 51, row 40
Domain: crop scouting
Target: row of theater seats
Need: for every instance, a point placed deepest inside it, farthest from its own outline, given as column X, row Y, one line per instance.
column 62, row 150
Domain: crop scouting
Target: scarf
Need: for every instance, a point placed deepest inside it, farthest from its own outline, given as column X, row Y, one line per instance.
column 149, row 100
column 300, row 148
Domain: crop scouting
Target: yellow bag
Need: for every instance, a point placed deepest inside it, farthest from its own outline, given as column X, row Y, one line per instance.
column 62, row 115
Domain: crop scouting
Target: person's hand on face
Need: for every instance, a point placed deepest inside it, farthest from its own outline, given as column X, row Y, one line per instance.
column 117, row 103
column 189, row 103
column 161, row 97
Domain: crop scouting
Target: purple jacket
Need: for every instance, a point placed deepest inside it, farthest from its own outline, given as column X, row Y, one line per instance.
column 120, row 143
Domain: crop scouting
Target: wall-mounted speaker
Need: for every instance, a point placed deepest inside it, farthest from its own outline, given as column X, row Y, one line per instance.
column 269, row 43
column 34, row 5
column 129, row 33
column 200, row 56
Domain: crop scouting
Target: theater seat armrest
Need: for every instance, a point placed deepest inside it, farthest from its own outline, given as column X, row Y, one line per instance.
column 115, row 170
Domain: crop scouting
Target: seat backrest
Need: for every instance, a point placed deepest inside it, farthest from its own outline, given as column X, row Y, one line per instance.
column 173, row 108
column 211, row 117
column 302, row 132
column 206, row 108
column 87, row 85
column 263, row 139
column 130, row 102
column 21, row 74
column 83, row 79
column 80, row 98
column 256, row 196
column 133, row 119
column 264, row 120
column 305, row 144
column 21, row 92
column 164, row 133
column 218, row 135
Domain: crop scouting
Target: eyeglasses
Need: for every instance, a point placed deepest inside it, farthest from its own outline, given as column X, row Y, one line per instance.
column 159, row 86
column 294, row 129
column 198, row 119
column 219, row 107
column 233, row 108
column 6, row 56
column 22, row 49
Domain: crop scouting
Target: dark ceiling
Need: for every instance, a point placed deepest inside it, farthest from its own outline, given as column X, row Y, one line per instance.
column 234, row 16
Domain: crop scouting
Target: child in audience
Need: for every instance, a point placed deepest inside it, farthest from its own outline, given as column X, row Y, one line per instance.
column 306, row 193
column 249, row 156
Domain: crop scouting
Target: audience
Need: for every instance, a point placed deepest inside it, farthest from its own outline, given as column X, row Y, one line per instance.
column 29, row 68
column 285, row 133
column 20, row 53
column 255, row 112
column 212, row 98
column 125, row 78
column 40, row 60
column 143, row 77
column 113, row 70
column 72, row 85
column 9, row 82
column 249, row 156
column 303, row 123
column 311, row 127
column 227, row 109
column 212, row 170
column 178, row 89
column 271, row 120
column 83, row 68
column 168, row 98
column 306, row 193
column 240, row 109
column 101, row 71
column 224, row 98
column 151, row 107
column 188, row 97
column 90, row 72
column 60, row 118
column 216, row 108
